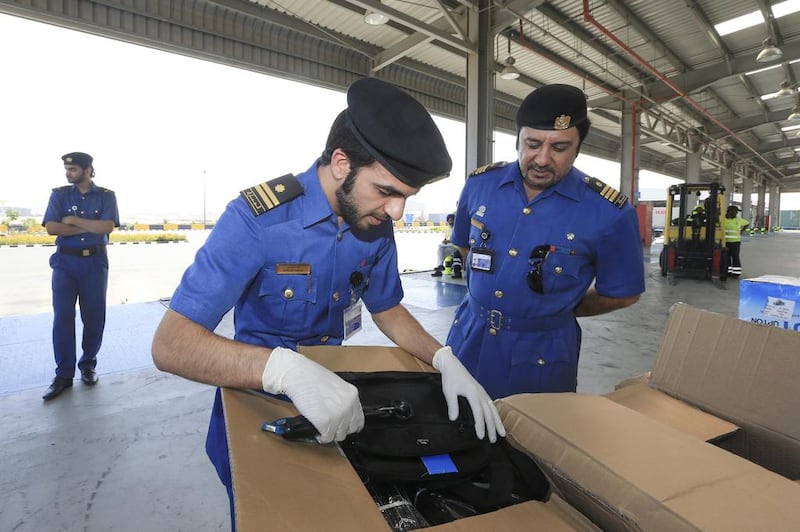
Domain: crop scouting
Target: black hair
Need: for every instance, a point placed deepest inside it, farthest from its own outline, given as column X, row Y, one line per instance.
column 342, row 137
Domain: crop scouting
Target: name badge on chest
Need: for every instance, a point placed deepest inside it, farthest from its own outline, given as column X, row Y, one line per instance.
column 482, row 260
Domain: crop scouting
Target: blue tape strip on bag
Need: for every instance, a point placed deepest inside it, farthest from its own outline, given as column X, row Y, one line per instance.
column 439, row 464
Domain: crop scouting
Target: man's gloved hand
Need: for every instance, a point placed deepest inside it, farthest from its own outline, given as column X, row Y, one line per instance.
column 456, row 380
column 328, row 402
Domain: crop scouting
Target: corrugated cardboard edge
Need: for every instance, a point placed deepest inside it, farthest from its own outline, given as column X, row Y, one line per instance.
column 660, row 406
column 553, row 516
column 364, row 358
column 643, row 378
column 625, row 471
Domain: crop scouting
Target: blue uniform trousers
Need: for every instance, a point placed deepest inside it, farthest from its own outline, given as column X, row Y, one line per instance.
column 217, row 450
column 83, row 280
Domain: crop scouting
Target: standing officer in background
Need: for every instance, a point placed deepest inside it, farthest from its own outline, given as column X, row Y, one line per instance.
column 546, row 243
column 734, row 225
column 296, row 256
column 82, row 215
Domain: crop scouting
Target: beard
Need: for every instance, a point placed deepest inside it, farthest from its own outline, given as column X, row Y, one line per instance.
column 348, row 209
column 79, row 179
column 539, row 178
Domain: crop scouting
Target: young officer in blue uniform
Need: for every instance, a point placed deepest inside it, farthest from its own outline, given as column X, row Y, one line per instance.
column 297, row 255
column 539, row 233
column 82, row 215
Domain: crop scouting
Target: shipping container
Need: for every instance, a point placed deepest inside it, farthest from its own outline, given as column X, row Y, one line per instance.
column 790, row 219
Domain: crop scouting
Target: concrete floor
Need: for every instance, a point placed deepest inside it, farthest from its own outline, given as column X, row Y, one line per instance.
column 128, row 454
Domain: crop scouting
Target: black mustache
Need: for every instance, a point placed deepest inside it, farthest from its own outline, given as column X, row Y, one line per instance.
column 540, row 168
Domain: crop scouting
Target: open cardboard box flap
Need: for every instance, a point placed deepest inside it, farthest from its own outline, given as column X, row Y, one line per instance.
column 552, row 516
column 626, row 471
column 737, row 371
column 280, row 485
column 657, row 405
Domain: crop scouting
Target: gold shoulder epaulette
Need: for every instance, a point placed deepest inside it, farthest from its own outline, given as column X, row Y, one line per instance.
column 65, row 187
column 488, row 167
column 270, row 194
column 610, row 193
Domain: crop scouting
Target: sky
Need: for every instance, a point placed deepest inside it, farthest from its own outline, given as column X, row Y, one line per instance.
column 176, row 137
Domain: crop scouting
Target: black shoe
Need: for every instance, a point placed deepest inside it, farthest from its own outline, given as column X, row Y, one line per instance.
column 436, row 273
column 59, row 385
column 89, row 377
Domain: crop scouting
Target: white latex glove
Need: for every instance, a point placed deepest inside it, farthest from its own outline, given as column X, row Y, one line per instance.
column 456, row 380
column 328, row 402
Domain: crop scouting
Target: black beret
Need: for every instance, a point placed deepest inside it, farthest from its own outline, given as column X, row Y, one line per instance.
column 398, row 131
column 78, row 158
column 552, row 107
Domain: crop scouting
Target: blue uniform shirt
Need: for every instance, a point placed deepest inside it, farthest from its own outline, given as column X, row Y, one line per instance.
column 97, row 204
column 254, row 263
column 515, row 340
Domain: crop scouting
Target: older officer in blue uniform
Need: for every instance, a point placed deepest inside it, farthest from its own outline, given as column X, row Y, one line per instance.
column 297, row 255
column 546, row 243
column 82, row 215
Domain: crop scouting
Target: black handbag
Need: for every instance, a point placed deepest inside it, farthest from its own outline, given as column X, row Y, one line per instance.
column 407, row 436
column 409, row 446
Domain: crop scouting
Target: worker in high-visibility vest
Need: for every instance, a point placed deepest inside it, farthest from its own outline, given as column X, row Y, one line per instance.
column 734, row 225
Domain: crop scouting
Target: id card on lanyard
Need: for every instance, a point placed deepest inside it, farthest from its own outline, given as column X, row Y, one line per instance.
column 352, row 314
column 352, row 319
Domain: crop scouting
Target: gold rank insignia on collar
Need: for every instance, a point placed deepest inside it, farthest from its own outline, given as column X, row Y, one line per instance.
column 610, row 193
column 488, row 167
column 261, row 198
column 562, row 122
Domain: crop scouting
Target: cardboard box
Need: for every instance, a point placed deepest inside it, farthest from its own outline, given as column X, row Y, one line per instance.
column 742, row 373
column 609, row 467
column 280, row 485
column 772, row 300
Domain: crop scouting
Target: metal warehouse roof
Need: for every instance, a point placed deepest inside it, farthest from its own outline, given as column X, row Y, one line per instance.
column 693, row 89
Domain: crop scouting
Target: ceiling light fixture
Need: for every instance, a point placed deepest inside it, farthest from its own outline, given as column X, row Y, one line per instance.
column 509, row 70
column 373, row 18
column 770, row 51
column 785, row 90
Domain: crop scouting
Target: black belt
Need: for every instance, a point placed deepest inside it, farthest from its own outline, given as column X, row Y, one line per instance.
column 81, row 252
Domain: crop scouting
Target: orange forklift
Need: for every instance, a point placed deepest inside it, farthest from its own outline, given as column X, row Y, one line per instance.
column 694, row 236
